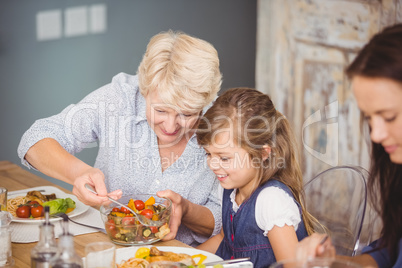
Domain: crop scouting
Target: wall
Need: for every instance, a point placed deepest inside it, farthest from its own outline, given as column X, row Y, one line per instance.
column 40, row 78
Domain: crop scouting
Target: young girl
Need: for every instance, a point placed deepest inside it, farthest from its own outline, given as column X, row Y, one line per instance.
column 251, row 149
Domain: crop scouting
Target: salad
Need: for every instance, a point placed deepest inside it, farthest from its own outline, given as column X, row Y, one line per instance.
column 123, row 227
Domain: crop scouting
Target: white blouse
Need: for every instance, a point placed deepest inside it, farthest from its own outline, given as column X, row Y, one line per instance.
column 273, row 207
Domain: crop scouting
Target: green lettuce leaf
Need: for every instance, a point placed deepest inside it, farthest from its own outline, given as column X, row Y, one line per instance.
column 56, row 205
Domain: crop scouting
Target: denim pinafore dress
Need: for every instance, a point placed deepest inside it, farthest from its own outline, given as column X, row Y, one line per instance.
column 243, row 237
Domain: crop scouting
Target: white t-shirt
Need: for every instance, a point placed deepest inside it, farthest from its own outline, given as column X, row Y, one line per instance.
column 273, row 207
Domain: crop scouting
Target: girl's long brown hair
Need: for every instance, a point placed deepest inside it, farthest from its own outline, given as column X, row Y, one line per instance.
column 252, row 118
column 382, row 58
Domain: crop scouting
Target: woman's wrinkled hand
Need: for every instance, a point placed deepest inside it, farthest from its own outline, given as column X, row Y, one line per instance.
column 312, row 246
column 177, row 212
column 96, row 179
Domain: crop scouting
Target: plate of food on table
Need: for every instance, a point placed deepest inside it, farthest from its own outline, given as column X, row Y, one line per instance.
column 139, row 257
column 27, row 206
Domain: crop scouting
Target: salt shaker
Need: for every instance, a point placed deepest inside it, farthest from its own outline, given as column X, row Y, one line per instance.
column 46, row 247
column 66, row 256
column 6, row 259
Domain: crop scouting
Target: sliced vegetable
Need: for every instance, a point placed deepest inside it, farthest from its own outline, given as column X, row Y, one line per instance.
column 69, row 210
column 142, row 253
column 146, row 231
column 201, row 260
column 70, row 203
column 118, row 214
column 131, row 205
column 128, row 221
column 56, row 206
column 150, row 201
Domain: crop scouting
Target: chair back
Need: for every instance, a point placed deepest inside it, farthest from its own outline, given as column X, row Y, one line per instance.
column 337, row 198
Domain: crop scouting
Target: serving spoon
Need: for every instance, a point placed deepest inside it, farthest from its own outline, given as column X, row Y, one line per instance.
column 141, row 218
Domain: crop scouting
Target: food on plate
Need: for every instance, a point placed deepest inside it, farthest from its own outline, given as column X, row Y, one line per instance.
column 31, row 205
column 133, row 263
column 142, row 253
column 124, row 228
column 201, row 258
column 13, row 203
column 153, row 254
column 39, row 197
column 157, row 255
column 60, row 205
column 23, row 211
column 21, row 206
column 37, row 211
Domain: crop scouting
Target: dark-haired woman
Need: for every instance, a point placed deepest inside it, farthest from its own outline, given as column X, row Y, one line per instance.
column 376, row 75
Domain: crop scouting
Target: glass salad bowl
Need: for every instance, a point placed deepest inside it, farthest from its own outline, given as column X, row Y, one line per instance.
column 123, row 228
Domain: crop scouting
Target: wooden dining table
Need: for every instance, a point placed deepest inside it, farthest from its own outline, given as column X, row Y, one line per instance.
column 13, row 177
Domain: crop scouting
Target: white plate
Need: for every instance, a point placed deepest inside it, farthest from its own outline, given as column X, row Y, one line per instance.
column 123, row 254
column 80, row 207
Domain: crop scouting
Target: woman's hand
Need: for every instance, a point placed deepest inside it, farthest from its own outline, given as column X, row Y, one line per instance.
column 177, row 212
column 96, row 179
column 49, row 157
column 196, row 217
column 311, row 247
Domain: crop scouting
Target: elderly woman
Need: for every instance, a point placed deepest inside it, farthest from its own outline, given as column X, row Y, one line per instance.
column 144, row 126
column 377, row 85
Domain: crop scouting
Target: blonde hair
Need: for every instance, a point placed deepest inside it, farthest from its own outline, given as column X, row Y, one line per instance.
column 184, row 70
column 256, row 123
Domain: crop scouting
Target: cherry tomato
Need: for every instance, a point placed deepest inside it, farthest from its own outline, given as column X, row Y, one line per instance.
column 113, row 233
column 37, row 211
column 154, row 229
column 110, row 225
column 128, row 221
column 125, row 210
column 111, row 228
column 23, row 211
column 147, row 213
column 139, row 204
column 116, row 209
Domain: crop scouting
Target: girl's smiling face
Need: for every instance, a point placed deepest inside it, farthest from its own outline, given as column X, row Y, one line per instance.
column 380, row 100
column 232, row 165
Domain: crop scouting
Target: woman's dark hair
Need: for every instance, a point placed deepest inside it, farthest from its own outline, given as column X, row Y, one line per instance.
column 382, row 58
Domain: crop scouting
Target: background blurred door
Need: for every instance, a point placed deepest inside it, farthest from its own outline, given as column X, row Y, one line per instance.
column 303, row 47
